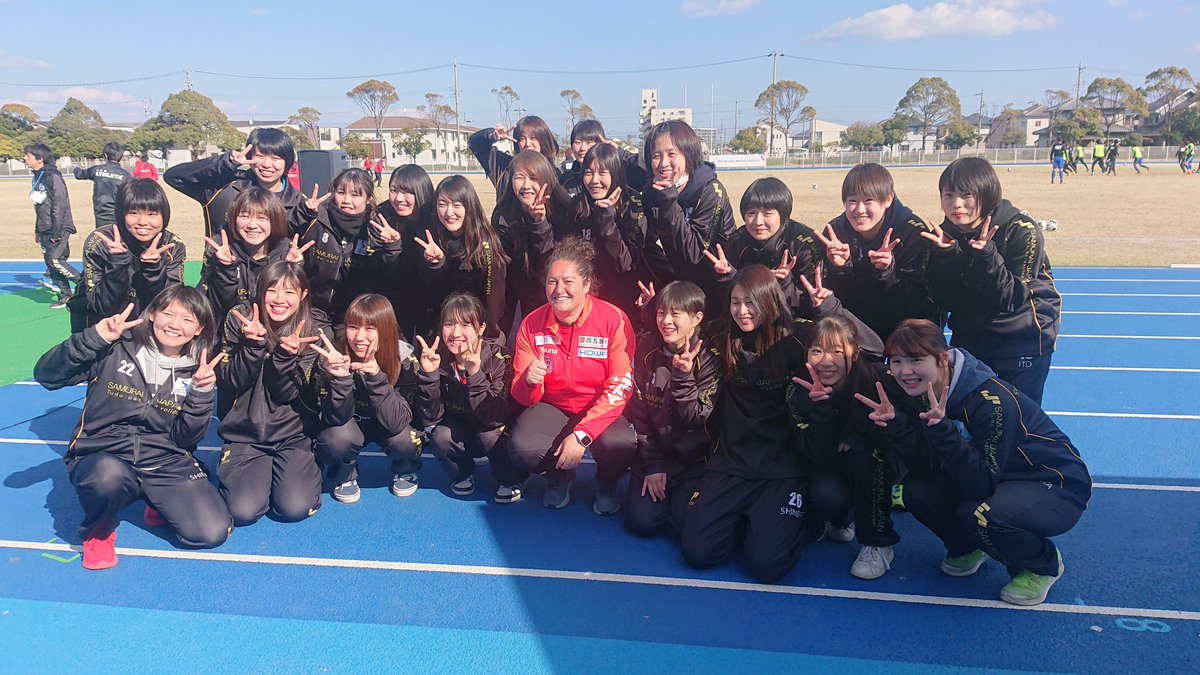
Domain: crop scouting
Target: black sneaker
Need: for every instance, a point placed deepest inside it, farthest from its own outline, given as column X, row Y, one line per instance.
column 558, row 494
column 510, row 494
column 607, row 501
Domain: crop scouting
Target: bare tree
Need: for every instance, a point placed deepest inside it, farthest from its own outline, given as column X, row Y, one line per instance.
column 438, row 115
column 506, row 96
column 309, row 120
column 573, row 102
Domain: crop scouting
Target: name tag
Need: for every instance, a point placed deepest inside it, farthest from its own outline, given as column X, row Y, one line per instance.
column 37, row 196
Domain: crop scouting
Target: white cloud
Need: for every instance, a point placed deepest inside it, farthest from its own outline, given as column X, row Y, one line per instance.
column 1115, row 3
column 703, row 8
column 7, row 60
column 257, row 11
column 92, row 97
column 958, row 17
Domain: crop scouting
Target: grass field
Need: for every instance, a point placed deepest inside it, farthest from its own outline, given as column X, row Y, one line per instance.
column 1123, row 220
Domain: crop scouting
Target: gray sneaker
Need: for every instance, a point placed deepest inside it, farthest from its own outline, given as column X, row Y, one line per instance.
column 464, row 487
column 607, row 501
column 348, row 492
column 558, row 494
column 405, row 485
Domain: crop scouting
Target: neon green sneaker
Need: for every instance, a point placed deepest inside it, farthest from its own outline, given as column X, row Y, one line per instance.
column 964, row 565
column 1028, row 588
column 898, row 497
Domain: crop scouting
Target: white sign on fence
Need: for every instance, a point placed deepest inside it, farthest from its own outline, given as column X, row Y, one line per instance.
column 738, row 161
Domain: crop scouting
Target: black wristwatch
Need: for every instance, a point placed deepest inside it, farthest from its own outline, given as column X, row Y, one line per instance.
column 583, row 438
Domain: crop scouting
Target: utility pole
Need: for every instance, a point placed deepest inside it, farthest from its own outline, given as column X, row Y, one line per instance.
column 1078, row 82
column 735, row 116
column 771, row 122
column 187, row 75
column 457, row 121
column 979, row 121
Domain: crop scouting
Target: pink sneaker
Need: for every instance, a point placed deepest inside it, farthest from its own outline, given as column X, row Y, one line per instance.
column 152, row 517
column 100, row 554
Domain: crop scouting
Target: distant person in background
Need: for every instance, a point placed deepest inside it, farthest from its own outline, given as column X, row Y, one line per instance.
column 1069, row 159
column 379, row 172
column 144, row 169
column 108, row 179
column 1058, row 153
column 1136, row 153
column 1189, row 152
column 368, row 165
column 1181, row 157
column 53, row 226
column 1079, row 159
column 1097, row 156
column 1110, row 157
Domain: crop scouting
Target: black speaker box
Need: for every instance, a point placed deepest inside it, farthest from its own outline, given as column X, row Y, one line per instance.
column 320, row 167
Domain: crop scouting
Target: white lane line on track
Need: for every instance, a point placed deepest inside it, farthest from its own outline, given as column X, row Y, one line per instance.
column 1132, row 281
column 1119, row 369
column 1133, row 313
column 634, row 579
column 373, row 453
column 1130, row 295
column 1128, row 337
column 1133, row 416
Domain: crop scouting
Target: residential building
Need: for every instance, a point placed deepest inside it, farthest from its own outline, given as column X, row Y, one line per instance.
column 828, row 134
column 443, row 148
column 652, row 114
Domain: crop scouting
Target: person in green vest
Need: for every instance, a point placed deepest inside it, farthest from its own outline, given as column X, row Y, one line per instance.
column 1097, row 156
column 1189, row 152
column 1136, row 153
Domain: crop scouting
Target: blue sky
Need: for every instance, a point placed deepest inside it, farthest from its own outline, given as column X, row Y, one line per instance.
column 85, row 43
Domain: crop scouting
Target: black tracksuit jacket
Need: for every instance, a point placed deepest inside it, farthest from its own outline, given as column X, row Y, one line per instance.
column 110, row 282
column 528, row 245
column 227, row 286
column 122, row 413
column 1002, row 300
column 53, row 215
column 108, row 179
column 795, row 238
column 619, row 236
column 367, row 397
column 486, row 283
column 343, row 264
column 689, row 222
column 268, row 388
column 482, row 400
column 884, row 298
column 671, row 410
column 215, row 182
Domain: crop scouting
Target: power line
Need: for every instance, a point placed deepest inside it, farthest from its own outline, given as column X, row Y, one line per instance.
column 927, row 70
column 613, row 72
column 173, row 73
column 335, row 77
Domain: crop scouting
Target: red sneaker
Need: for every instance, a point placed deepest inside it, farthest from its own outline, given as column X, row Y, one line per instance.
column 99, row 554
column 152, row 517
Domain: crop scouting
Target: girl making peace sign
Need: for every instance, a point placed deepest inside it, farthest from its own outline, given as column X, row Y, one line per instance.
column 377, row 408
column 149, row 402
column 997, row 476
column 988, row 267
column 465, row 397
column 131, row 261
column 267, row 462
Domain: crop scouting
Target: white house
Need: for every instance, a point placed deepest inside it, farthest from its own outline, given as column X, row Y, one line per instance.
column 443, row 148
column 820, row 131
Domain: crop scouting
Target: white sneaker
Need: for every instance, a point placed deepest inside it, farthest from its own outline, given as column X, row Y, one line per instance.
column 873, row 562
column 840, row 534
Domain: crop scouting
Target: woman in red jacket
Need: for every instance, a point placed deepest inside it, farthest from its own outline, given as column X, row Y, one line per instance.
column 572, row 371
